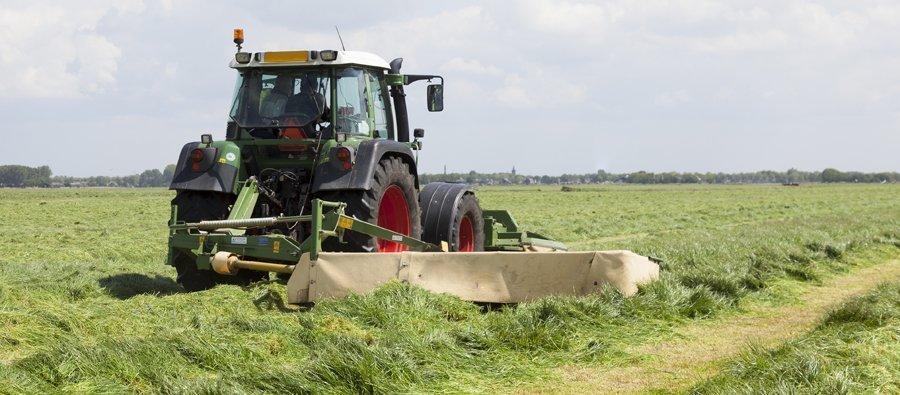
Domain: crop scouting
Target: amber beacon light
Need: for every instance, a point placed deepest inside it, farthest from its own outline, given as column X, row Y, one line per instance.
column 239, row 37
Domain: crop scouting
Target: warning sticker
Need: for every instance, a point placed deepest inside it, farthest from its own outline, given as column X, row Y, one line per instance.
column 397, row 238
column 345, row 223
column 238, row 240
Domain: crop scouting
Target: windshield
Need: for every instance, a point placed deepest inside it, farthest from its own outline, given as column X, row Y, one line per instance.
column 282, row 98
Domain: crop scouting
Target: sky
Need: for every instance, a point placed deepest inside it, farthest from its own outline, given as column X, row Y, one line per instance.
column 549, row 87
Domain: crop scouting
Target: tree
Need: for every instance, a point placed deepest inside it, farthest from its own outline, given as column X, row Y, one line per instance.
column 12, row 175
column 24, row 176
column 832, row 175
column 168, row 174
column 150, row 178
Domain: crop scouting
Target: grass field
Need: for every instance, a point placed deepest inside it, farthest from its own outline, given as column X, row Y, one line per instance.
column 854, row 349
column 86, row 304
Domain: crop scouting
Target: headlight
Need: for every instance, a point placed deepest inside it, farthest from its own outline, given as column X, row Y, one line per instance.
column 242, row 57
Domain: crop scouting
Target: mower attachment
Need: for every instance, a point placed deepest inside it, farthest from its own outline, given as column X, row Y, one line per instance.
column 517, row 266
column 493, row 277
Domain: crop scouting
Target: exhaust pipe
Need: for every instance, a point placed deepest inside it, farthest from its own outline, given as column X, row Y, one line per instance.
column 224, row 262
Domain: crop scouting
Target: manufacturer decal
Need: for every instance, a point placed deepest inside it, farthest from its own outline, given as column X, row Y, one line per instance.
column 221, row 160
column 263, row 241
column 230, row 156
column 238, row 240
column 276, row 246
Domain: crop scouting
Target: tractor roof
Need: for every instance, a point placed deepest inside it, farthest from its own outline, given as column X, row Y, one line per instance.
column 307, row 58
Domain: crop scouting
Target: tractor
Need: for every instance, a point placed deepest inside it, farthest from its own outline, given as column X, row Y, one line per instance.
column 318, row 159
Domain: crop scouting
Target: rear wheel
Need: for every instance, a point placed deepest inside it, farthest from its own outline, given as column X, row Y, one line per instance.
column 392, row 203
column 451, row 214
column 468, row 230
column 194, row 206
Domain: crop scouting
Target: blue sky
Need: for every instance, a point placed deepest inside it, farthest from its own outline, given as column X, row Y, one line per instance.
column 113, row 88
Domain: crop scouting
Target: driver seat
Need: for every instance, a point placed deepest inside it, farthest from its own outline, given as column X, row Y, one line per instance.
column 273, row 105
column 295, row 103
column 293, row 133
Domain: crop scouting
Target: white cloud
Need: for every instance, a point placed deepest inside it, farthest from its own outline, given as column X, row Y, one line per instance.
column 560, row 17
column 56, row 51
column 668, row 99
column 514, row 94
column 470, row 66
column 167, row 5
column 97, row 61
column 767, row 40
column 817, row 23
column 536, row 89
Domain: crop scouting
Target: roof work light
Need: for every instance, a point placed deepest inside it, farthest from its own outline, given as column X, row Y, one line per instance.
column 328, row 55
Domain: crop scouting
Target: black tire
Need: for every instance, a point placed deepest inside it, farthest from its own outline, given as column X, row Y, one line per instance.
column 194, row 206
column 451, row 214
column 469, row 210
column 364, row 205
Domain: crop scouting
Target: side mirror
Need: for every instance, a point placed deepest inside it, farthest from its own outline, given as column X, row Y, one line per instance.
column 418, row 133
column 436, row 97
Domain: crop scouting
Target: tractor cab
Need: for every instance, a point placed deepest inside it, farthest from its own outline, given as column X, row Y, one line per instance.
column 311, row 95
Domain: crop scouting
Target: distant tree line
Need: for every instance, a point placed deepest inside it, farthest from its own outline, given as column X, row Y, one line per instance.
column 643, row 177
column 23, row 176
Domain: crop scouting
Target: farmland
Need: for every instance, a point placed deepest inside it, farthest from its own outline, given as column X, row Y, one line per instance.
column 87, row 305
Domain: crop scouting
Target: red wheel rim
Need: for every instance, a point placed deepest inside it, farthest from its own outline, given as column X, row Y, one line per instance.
column 466, row 236
column 393, row 214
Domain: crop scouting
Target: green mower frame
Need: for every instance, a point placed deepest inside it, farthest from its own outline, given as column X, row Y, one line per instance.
column 206, row 238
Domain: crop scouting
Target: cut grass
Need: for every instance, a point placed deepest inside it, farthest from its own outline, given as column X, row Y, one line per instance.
column 86, row 304
column 855, row 349
column 697, row 350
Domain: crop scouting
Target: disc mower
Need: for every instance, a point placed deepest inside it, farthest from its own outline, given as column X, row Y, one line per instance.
column 317, row 181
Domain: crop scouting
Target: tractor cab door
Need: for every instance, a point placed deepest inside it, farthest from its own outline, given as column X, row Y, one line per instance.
column 362, row 106
column 379, row 105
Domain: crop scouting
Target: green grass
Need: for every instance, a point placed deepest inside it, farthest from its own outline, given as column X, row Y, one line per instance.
column 86, row 304
column 855, row 349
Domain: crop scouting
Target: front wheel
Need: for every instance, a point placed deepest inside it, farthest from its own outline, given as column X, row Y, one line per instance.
column 195, row 206
column 392, row 203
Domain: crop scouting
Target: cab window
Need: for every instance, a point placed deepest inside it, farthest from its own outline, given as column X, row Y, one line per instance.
column 380, row 109
column 350, row 103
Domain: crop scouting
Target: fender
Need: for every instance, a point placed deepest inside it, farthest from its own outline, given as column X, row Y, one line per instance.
column 439, row 202
column 219, row 168
column 329, row 177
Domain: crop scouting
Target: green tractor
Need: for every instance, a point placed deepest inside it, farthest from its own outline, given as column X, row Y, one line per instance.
column 329, row 125
column 317, row 180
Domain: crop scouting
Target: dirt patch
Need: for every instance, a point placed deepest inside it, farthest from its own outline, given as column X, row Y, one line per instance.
column 699, row 350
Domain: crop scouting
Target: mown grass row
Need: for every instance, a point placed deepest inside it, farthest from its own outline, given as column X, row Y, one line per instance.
column 122, row 325
column 855, row 349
